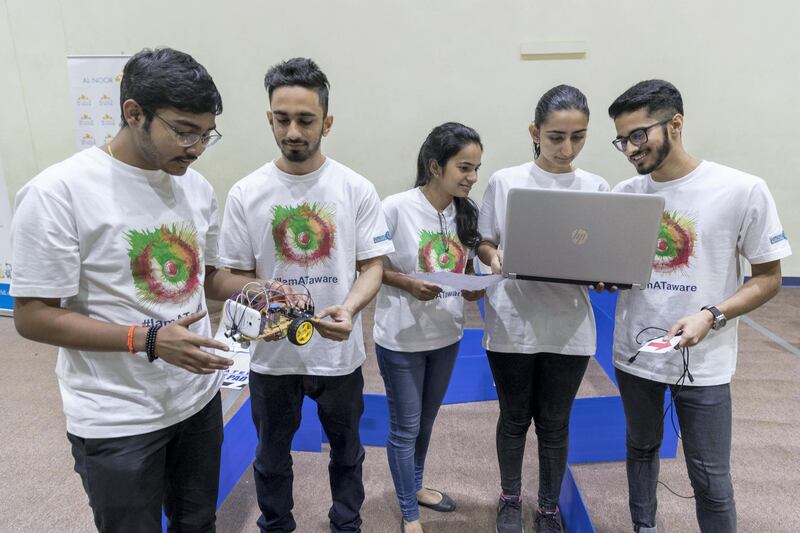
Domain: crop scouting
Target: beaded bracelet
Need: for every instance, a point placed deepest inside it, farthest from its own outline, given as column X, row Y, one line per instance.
column 150, row 342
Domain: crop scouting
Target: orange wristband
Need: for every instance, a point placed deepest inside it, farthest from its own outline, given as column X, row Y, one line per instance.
column 131, row 330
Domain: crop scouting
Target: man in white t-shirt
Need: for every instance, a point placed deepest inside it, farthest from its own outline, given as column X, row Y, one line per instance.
column 114, row 253
column 714, row 217
column 312, row 223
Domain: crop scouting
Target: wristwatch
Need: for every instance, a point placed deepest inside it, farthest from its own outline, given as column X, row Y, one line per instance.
column 719, row 318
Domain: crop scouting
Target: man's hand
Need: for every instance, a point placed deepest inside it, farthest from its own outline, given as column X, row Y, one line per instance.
column 276, row 336
column 601, row 286
column 497, row 262
column 692, row 328
column 178, row 346
column 472, row 296
column 284, row 294
column 423, row 290
column 339, row 326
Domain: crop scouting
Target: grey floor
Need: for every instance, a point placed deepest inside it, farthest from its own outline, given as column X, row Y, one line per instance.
column 40, row 492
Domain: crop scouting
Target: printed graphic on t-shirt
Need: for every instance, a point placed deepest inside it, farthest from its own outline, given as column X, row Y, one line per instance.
column 440, row 253
column 304, row 234
column 165, row 263
column 676, row 242
column 778, row 237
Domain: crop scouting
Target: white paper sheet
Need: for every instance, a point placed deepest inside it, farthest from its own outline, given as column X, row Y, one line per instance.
column 462, row 282
column 659, row 345
column 238, row 375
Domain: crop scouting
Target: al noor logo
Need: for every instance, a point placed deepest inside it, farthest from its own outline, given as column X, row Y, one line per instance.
column 105, row 100
column 165, row 263
column 304, row 234
column 88, row 140
column 677, row 239
column 107, row 120
column 440, row 253
column 86, row 120
column 83, row 100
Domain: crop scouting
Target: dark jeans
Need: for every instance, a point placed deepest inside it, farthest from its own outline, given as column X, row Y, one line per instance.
column 415, row 386
column 541, row 387
column 128, row 479
column 276, row 402
column 704, row 414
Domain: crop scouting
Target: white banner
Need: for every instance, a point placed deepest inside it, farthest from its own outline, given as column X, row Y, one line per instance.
column 6, row 301
column 94, row 85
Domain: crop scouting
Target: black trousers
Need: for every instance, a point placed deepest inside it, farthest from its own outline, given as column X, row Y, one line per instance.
column 128, row 479
column 276, row 402
column 539, row 387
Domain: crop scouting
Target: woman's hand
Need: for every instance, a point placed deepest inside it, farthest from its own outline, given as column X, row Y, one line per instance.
column 424, row 290
column 472, row 296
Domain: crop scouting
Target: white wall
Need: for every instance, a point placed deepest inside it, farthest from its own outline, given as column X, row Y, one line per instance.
column 399, row 68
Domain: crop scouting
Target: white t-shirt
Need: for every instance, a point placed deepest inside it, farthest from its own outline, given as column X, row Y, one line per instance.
column 402, row 322
column 713, row 217
column 533, row 316
column 126, row 246
column 307, row 230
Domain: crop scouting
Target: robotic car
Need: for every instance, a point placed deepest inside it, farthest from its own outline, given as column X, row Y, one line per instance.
column 269, row 312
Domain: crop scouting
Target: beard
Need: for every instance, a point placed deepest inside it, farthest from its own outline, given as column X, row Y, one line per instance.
column 661, row 154
column 300, row 152
column 154, row 158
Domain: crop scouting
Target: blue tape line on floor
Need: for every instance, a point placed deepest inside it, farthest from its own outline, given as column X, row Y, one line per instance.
column 238, row 450
column 573, row 509
column 597, row 431
column 604, row 305
column 374, row 426
column 472, row 378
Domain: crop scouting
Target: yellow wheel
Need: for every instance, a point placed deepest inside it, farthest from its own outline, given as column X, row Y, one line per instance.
column 300, row 331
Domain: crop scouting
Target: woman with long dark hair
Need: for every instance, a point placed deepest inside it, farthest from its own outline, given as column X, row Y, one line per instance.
column 418, row 325
column 538, row 336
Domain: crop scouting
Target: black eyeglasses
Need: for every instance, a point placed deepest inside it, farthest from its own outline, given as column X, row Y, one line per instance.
column 187, row 139
column 637, row 137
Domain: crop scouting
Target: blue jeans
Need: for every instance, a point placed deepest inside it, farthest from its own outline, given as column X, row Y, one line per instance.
column 541, row 387
column 276, row 402
column 704, row 414
column 128, row 479
column 415, row 386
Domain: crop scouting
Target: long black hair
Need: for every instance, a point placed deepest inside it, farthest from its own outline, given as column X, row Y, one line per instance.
column 559, row 98
column 442, row 143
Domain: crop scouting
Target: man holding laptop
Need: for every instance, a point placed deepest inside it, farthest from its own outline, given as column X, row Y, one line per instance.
column 713, row 216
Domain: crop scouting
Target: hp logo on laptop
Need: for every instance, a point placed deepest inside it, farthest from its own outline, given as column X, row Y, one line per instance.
column 579, row 236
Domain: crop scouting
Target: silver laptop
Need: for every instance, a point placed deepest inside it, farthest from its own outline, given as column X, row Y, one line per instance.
column 567, row 236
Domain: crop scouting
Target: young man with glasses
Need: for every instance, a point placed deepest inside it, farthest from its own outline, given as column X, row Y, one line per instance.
column 714, row 216
column 305, row 219
column 115, row 250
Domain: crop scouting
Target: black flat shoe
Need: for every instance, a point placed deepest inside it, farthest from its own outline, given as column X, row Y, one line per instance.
column 447, row 505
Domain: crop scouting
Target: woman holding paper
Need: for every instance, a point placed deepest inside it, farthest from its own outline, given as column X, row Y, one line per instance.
column 538, row 336
column 418, row 325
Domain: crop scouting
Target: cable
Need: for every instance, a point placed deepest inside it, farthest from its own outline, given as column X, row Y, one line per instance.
column 678, row 385
column 675, row 493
